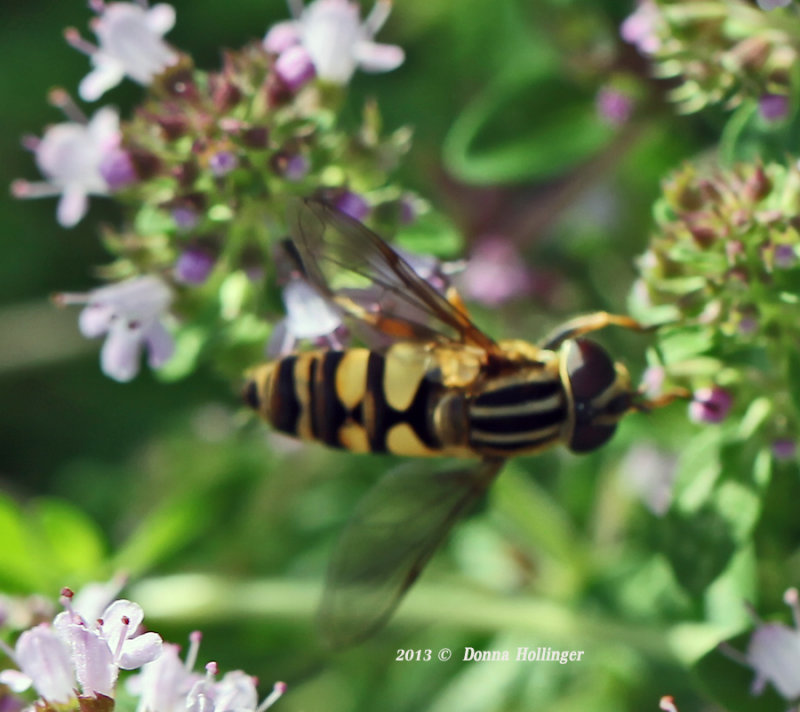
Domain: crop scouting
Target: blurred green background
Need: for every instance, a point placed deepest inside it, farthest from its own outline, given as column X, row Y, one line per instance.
column 227, row 528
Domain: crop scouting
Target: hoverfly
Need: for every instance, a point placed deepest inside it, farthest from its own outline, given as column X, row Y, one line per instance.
column 432, row 384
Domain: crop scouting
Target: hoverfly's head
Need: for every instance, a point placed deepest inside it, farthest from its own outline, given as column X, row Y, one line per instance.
column 599, row 393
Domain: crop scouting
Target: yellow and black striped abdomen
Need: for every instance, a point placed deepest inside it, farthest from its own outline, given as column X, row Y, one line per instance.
column 355, row 399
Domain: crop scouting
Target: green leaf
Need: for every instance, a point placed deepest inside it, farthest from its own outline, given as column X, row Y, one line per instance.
column 793, row 365
column 749, row 137
column 698, row 546
column 164, row 532
column 524, row 504
column 151, row 220
column 73, row 541
column 431, row 234
column 53, row 545
column 20, row 569
column 735, row 129
column 522, row 128
column 189, row 342
column 678, row 345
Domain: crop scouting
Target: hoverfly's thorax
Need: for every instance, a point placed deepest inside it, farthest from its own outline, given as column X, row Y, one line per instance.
column 599, row 393
column 519, row 414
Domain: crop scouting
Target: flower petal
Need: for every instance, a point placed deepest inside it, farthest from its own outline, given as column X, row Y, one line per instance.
column 120, row 621
column 104, row 76
column 236, row 691
column 374, row 57
column 45, row 659
column 160, row 18
column 15, row 680
column 94, row 598
column 72, row 206
column 94, row 663
column 281, row 36
column 160, row 345
column 119, row 357
column 310, row 315
column 103, row 127
column 95, row 320
column 200, row 697
column 144, row 648
column 774, row 653
column 163, row 683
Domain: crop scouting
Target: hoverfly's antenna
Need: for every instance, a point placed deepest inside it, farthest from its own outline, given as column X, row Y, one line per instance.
column 648, row 405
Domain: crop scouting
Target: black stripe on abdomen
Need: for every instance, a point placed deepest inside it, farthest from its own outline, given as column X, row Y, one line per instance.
column 374, row 408
column 284, row 405
column 328, row 414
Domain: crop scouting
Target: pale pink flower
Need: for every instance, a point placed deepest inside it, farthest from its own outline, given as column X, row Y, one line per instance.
column 131, row 43
column 131, row 316
column 641, row 28
column 70, row 156
column 336, row 39
column 45, row 663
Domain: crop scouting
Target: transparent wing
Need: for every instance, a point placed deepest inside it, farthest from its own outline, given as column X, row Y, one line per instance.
column 391, row 536
column 385, row 292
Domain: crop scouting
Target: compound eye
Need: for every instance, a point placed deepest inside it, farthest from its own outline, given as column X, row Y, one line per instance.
column 590, row 437
column 589, row 368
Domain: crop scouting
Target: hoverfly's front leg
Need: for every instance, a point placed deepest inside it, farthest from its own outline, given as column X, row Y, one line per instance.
column 591, row 322
column 645, row 405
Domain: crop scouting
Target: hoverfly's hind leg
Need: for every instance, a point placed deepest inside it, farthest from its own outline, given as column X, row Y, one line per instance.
column 592, row 322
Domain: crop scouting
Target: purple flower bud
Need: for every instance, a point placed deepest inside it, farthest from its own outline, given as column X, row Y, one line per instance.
column 185, row 217
column 613, row 106
column 296, row 168
column 352, row 204
column 784, row 449
column 194, row 265
column 294, row 67
column 222, row 163
column 117, row 169
column 785, row 256
column 710, row 405
column 408, row 210
column 773, row 107
column 748, row 325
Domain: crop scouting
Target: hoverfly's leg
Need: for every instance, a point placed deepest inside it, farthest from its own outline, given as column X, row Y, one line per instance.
column 455, row 300
column 591, row 322
column 645, row 406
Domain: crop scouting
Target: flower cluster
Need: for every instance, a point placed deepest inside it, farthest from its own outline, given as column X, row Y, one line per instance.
column 73, row 663
column 723, row 51
column 204, row 168
column 723, row 268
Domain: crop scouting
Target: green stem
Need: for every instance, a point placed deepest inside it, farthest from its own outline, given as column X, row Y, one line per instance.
column 200, row 599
